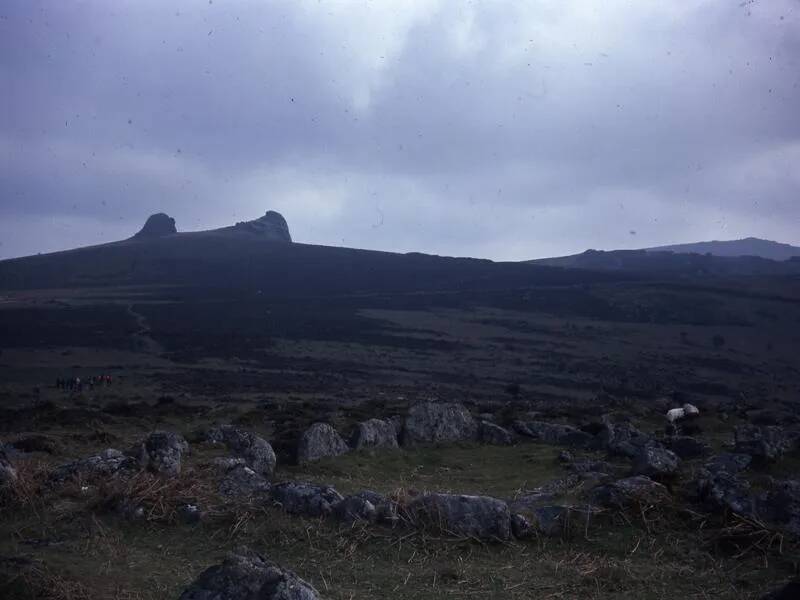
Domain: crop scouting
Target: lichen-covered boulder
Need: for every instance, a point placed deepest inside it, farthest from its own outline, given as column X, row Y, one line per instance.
column 239, row 481
column 160, row 453
column 555, row 433
column 255, row 450
column 374, row 433
column 656, row 462
column 245, row 575
column 439, row 422
column 479, row 517
column 106, row 464
column 320, row 441
column 491, row 433
column 302, row 498
column 638, row 490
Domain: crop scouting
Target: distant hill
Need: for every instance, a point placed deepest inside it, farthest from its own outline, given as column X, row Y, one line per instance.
column 747, row 247
column 260, row 254
column 672, row 263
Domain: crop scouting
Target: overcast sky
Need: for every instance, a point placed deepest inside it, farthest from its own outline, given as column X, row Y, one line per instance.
column 505, row 130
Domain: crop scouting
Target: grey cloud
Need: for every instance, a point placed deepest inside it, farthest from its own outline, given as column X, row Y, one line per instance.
column 503, row 130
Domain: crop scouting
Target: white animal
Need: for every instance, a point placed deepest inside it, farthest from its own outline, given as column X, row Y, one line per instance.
column 676, row 414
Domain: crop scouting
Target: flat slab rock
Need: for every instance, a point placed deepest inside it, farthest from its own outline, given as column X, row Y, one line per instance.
column 302, row 498
column 480, row 517
column 245, row 575
column 109, row 462
column 555, row 433
column 630, row 491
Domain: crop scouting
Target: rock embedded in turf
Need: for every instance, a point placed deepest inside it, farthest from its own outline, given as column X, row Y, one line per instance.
column 302, row 498
column 555, row 433
column 656, row 462
column 623, row 439
column 374, row 433
column 638, row 490
column 239, row 481
column 255, row 450
column 108, row 463
column 490, row 433
column 439, row 422
column 320, row 441
column 245, row 575
column 355, row 508
column 161, row 452
column 480, row 517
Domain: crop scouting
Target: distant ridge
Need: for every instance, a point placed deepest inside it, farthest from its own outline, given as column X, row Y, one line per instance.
column 750, row 246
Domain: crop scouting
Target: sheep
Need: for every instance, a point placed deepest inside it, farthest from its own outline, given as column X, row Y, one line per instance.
column 676, row 414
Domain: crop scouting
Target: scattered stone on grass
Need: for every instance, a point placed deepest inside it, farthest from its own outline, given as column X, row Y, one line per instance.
column 160, row 453
column 245, row 575
column 302, row 498
column 479, row 517
column 320, row 441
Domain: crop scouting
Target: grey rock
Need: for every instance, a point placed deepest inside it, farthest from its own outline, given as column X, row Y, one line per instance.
column 355, row 508
column 271, row 226
column 687, row 447
column 490, row 433
column 240, row 481
column 245, row 575
column 160, row 453
column 555, row 433
column 623, row 439
column 726, row 491
column 478, row 517
column 439, row 422
column 108, row 463
column 374, row 433
column 301, row 498
column 656, row 462
column 255, row 450
column 386, row 509
column 630, row 491
column 320, row 441
column 157, row 225
column 551, row 521
column 764, row 443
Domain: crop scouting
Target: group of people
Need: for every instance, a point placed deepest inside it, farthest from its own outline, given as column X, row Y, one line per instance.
column 76, row 384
